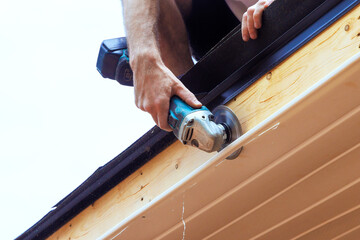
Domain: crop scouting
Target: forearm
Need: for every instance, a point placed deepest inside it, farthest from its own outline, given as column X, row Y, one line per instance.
column 154, row 81
column 140, row 17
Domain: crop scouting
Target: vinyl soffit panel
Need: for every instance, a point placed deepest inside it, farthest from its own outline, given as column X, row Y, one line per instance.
column 301, row 144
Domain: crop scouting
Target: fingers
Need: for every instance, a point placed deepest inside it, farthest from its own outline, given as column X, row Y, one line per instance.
column 268, row 2
column 244, row 28
column 250, row 23
column 257, row 17
column 154, row 89
column 162, row 120
column 156, row 100
column 252, row 19
column 158, row 108
column 187, row 96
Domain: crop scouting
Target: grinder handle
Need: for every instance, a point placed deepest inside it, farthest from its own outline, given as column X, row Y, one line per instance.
column 178, row 110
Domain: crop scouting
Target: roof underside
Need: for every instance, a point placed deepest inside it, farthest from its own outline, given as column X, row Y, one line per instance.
column 217, row 82
column 303, row 184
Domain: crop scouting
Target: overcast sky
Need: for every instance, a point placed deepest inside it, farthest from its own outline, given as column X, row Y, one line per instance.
column 59, row 119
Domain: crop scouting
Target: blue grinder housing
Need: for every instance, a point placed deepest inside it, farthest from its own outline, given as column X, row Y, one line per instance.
column 178, row 110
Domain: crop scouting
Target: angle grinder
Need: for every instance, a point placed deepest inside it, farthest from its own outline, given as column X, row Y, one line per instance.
column 200, row 128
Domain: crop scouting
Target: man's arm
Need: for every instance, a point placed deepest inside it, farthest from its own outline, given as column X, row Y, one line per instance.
column 251, row 20
column 154, row 83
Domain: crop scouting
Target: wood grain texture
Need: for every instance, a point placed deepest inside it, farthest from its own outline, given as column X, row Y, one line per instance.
column 272, row 91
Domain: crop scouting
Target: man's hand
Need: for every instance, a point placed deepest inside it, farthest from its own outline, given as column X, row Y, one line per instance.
column 154, row 85
column 251, row 20
column 157, row 49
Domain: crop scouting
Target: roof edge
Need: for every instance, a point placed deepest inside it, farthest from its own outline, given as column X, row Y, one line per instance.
column 276, row 42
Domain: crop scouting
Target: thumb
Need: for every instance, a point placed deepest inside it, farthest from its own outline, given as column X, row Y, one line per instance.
column 187, row 96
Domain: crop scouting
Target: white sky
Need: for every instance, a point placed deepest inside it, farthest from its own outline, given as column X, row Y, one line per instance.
column 59, row 119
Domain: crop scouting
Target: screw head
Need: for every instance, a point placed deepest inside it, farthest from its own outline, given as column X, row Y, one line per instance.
column 268, row 76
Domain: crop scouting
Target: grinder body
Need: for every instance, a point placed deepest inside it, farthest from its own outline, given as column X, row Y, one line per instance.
column 195, row 127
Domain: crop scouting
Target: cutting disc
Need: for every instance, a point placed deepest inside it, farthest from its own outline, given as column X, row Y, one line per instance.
column 225, row 116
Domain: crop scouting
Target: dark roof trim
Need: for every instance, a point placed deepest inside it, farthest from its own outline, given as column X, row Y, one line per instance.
column 239, row 63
